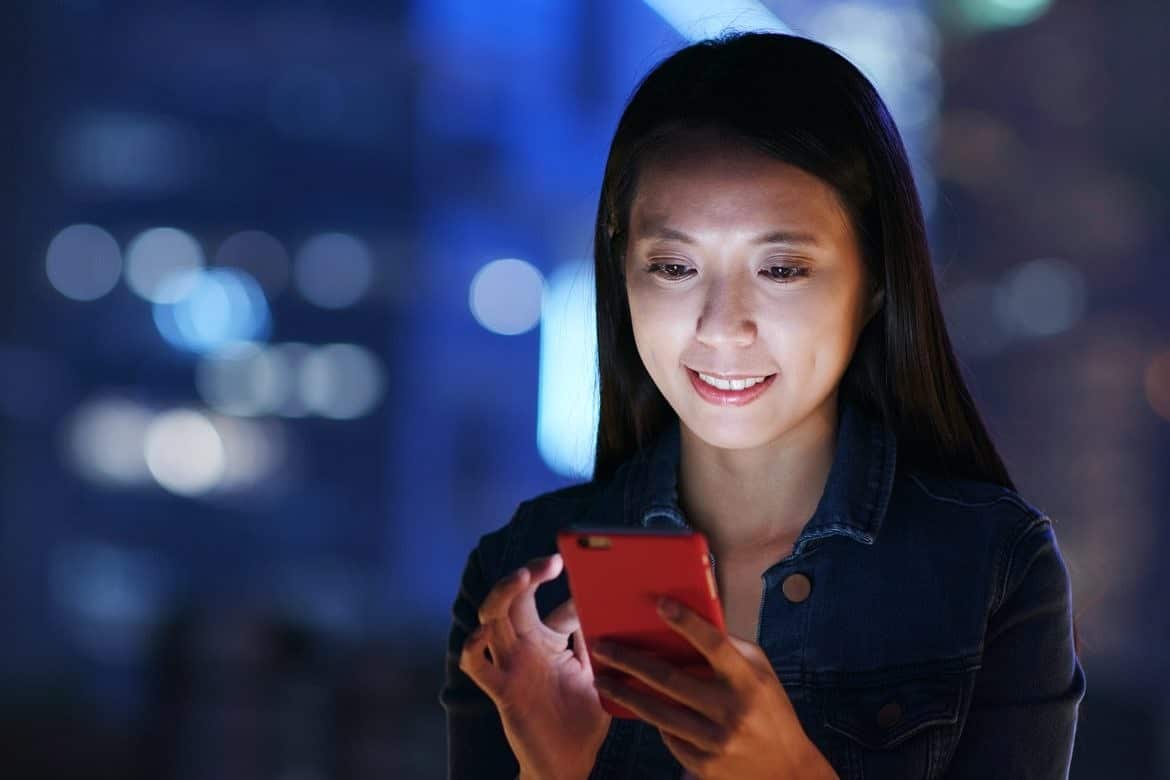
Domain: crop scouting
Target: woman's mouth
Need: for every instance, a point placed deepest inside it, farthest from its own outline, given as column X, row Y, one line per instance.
column 735, row 392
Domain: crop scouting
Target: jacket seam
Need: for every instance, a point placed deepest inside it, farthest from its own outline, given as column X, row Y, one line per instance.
column 1012, row 550
column 1005, row 496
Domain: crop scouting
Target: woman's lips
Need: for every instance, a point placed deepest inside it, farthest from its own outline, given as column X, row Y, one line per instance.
column 714, row 395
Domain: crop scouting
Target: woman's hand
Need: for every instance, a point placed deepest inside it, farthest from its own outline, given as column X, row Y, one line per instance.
column 551, row 713
column 739, row 724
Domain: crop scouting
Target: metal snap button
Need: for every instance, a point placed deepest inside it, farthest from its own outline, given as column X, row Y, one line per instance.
column 889, row 715
column 796, row 587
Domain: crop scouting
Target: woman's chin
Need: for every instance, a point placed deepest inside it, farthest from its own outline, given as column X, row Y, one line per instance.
column 730, row 434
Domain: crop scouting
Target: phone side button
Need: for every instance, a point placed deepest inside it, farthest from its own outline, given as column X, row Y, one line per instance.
column 711, row 585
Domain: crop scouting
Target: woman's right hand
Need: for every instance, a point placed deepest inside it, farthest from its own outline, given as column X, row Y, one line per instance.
column 543, row 689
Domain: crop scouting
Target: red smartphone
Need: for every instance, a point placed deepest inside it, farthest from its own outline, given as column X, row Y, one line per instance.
column 616, row 576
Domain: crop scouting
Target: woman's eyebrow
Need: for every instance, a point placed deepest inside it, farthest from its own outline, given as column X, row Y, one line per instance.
column 792, row 237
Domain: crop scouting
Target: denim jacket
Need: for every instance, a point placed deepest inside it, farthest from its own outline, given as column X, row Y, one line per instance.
column 936, row 640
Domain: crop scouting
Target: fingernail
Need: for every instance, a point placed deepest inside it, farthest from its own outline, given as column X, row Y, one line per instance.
column 668, row 608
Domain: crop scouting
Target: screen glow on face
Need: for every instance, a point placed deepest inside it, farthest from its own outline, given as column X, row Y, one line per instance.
column 740, row 264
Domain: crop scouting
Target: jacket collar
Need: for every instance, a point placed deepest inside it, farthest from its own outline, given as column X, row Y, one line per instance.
column 853, row 504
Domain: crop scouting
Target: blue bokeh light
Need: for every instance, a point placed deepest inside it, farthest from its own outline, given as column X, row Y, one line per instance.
column 223, row 306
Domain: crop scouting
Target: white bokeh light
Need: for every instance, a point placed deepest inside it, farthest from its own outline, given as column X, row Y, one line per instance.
column 341, row 381
column 155, row 257
column 505, row 296
column 250, row 379
column 333, row 270
column 286, row 363
column 253, row 450
column 238, row 380
column 105, row 439
column 83, row 262
column 261, row 255
column 184, row 452
column 1041, row 297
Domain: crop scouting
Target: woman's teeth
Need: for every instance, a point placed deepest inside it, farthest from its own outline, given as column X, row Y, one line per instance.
column 731, row 384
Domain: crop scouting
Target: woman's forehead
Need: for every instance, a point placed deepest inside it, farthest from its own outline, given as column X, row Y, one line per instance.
column 707, row 193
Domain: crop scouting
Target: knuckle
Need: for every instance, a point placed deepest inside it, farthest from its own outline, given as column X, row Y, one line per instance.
column 749, row 702
column 720, row 736
column 733, row 718
column 674, row 678
column 725, row 651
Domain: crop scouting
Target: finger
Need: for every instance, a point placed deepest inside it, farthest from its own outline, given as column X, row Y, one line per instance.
column 475, row 665
column 581, row 652
column 701, row 695
column 510, row 607
column 752, row 652
column 707, row 639
column 564, row 618
column 677, row 720
column 692, row 759
column 495, row 607
column 523, row 611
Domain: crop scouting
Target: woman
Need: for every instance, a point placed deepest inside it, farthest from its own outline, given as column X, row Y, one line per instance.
column 775, row 372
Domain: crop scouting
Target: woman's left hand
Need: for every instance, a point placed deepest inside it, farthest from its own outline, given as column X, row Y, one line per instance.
column 738, row 724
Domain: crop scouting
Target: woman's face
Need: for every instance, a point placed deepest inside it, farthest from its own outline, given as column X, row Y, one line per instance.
column 740, row 265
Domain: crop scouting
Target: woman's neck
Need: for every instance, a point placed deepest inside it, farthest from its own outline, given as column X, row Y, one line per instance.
column 754, row 500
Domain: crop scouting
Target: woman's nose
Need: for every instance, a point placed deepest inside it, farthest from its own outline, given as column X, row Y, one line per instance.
column 726, row 318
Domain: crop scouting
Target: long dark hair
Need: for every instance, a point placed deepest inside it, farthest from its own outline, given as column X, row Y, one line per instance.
column 810, row 107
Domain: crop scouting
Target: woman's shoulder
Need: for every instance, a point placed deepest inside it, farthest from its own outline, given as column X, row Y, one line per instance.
column 975, row 496
column 969, row 511
column 985, row 532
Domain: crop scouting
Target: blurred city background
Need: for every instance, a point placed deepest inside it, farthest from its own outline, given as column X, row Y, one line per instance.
column 296, row 305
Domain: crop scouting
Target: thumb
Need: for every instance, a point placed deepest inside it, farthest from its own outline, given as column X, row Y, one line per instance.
column 524, row 614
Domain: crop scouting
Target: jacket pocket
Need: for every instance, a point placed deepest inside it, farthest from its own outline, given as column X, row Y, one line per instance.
column 905, row 725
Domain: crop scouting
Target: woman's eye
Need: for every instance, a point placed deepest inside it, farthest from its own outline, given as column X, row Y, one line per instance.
column 784, row 273
column 668, row 270
column 678, row 271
